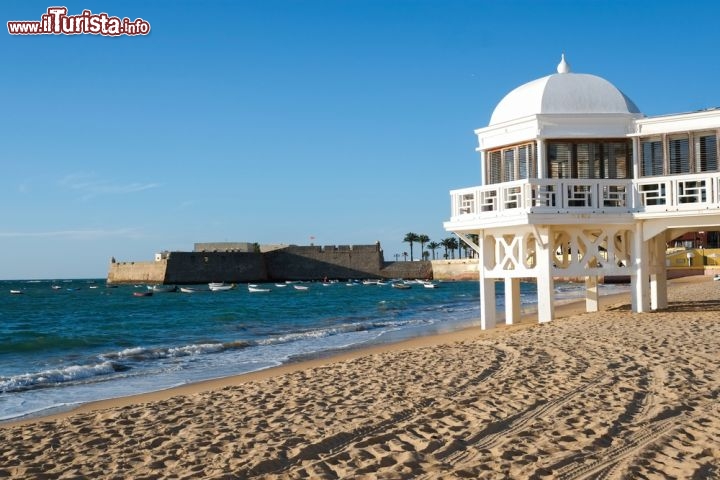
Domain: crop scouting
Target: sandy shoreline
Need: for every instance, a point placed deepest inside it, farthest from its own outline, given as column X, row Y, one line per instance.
column 610, row 393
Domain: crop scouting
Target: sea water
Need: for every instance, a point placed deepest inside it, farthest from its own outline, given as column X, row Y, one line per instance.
column 68, row 342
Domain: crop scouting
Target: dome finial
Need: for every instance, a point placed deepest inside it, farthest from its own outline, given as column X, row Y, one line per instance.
column 563, row 66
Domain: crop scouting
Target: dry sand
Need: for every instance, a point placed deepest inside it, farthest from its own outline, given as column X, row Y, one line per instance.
column 605, row 395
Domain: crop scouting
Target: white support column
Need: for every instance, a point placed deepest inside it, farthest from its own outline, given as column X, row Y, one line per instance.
column 636, row 154
column 545, row 281
column 592, row 296
column 487, row 285
column 512, row 300
column 639, row 278
column 541, row 163
column 483, row 168
column 658, row 279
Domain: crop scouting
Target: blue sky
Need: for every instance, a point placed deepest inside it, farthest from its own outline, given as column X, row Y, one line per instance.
column 276, row 121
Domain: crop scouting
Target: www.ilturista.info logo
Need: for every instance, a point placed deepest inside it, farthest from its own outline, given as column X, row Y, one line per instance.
column 57, row 22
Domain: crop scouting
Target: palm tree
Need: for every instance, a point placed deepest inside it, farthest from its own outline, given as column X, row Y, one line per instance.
column 433, row 246
column 423, row 239
column 475, row 238
column 450, row 243
column 454, row 245
column 405, row 256
column 445, row 242
column 410, row 238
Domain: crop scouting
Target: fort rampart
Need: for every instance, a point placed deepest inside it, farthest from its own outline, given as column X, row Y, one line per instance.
column 289, row 263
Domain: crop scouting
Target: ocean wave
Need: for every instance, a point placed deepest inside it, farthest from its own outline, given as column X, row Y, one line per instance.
column 141, row 354
column 318, row 333
column 53, row 377
column 110, row 364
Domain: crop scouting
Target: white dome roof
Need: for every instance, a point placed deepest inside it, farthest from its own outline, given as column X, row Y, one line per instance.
column 563, row 92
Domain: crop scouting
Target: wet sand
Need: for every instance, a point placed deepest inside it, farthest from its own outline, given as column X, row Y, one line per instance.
column 610, row 394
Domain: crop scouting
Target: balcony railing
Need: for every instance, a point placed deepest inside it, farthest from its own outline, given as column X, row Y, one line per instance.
column 650, row 194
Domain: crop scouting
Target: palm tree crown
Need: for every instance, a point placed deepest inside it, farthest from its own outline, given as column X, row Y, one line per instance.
column 410, row 238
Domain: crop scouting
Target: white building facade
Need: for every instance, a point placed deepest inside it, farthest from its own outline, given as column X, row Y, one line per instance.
column 577, row 182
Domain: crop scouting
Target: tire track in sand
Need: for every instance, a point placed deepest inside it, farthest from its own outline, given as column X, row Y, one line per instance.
column 335, row 444
column 603, row 463
column 458, row 452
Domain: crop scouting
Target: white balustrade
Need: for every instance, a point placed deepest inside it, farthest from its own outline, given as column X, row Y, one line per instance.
column 648, row 194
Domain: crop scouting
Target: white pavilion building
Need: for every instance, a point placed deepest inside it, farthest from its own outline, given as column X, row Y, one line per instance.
column 577, row 182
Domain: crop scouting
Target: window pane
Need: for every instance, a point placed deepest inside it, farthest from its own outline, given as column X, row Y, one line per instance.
column 523, row 161
column 706, row 153
column 679, row 150
column 588, row 164
column 494, row 169
column 532, row 161
column 509, row 167
column 615, row 160
column 559, row 155
column 652, row 158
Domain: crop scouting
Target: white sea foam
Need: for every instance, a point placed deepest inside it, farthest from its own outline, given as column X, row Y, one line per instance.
column 46, row 378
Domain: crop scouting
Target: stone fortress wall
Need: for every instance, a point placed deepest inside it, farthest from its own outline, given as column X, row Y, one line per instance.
column 240, row 262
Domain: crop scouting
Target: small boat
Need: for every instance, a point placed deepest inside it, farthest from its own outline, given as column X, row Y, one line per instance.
column 16, row 292
column 281, row 285
column 188, row 290
column 301, row 287
column 214, row 287
column 429, row 285
column 401, row 286
column 147, row 293
column 257, row 289
column 162, row 288
column 56, row 287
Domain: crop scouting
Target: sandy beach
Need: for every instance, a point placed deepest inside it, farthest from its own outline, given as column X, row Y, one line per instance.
column 611, row 394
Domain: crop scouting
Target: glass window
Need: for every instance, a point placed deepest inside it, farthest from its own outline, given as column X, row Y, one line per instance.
column 588, row 163
column 511, row 163
column 652, row 157
column 494, row 167
column 527, row 161
column 679, row 154
column 706, row 153
column 580, row 159
column 615, row 161
column 559, row 156
column 509, row 167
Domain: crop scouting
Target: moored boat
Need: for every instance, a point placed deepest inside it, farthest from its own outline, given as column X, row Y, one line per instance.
column 220, row 287
column 16, row 292
column 162, row 288
column 257, row 289
column 188, row 290
column 147, row 293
